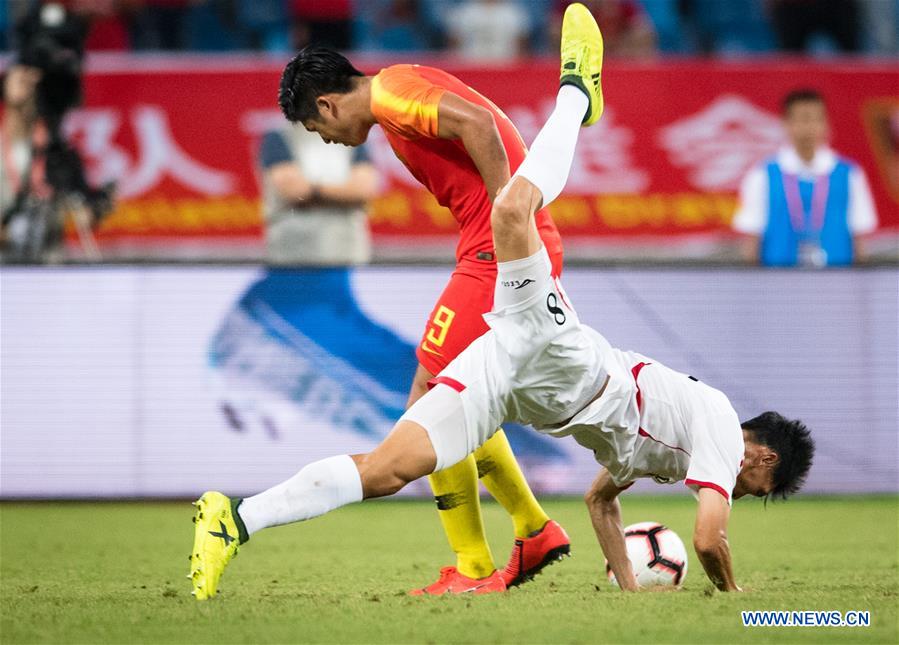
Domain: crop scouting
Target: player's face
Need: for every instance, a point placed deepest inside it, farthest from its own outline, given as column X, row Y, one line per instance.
column 806, row 124
column 334, row 129
column 756, row 480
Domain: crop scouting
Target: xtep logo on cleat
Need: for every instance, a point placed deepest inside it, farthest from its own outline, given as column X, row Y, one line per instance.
column 224, row 534
column 524, row 283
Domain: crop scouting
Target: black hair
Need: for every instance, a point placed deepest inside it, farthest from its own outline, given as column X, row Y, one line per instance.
column 794, row 446
column 313, row 72
column 801, row 95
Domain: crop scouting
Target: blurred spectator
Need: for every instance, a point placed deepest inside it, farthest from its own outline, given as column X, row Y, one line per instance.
column 489, row 30
column 732, row 28
column 670, row 22
column 322, row 22
column 5, row 23
column 627, row 31
column 19, row 128
column 315, row 196
column 807, row 205
column 880, row 30
column 23, row 183
column 160, row 24
column 797, row 22
column 397, row 25
column 108, row 22
column 266, row 24
column 214, row 26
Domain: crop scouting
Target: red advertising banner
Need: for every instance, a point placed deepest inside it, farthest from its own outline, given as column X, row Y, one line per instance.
column 663, row 165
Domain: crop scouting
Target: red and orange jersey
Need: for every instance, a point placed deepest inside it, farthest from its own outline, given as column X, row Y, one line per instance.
column 404, row 101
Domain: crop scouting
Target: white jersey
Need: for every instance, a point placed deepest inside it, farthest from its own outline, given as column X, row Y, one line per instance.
column 539, row 365
column 652, row 421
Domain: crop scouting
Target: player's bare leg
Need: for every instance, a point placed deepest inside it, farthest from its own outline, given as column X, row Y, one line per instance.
column 404, row 456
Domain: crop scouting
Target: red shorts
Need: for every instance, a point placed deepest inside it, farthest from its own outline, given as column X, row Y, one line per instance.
column 457, row 319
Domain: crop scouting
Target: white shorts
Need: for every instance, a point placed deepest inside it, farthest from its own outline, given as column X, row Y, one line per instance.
column 536, row 366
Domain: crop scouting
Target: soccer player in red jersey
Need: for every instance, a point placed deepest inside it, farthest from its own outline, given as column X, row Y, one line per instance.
column 463, row 148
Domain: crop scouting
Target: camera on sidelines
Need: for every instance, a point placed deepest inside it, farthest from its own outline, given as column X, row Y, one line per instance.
column 51, row 41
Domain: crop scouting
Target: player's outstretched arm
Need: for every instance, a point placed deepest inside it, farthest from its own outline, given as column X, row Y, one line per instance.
column 460, row 119
column 710, row 539
column 605, row 514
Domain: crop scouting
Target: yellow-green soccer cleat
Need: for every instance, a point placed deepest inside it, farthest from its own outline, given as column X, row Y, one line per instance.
column 582, row 57
column 218, row 534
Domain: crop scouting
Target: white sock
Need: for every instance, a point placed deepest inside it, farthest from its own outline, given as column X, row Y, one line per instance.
column 317, row 489
column 549, row 160
column 518, row 280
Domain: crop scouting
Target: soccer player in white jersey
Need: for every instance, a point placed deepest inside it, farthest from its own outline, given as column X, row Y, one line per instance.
column 539, row 365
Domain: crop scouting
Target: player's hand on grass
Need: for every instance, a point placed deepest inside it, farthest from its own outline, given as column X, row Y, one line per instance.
column 632, row 586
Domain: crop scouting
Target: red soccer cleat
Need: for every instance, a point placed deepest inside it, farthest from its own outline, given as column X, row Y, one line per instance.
column 451, row 581
column 534, row 552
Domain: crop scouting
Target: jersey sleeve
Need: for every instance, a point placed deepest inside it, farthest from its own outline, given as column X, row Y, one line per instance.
column 716, row 455
column 405, row 103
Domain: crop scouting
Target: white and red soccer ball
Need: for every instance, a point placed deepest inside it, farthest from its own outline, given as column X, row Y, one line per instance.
column 657, row 555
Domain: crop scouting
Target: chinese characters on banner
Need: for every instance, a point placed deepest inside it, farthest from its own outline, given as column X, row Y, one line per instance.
column 662, row 166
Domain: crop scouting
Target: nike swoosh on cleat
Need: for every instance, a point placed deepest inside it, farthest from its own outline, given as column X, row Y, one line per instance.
column 473, row 589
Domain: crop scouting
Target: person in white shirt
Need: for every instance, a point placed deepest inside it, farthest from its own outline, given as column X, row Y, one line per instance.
column 539, row 365
column 806, row 206
column 315, row 199
column 488, row 30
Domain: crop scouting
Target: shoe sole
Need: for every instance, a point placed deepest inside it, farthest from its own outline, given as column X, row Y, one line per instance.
column 552, row 556
column 195, row 558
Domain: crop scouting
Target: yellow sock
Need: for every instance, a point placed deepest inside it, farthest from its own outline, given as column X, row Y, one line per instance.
column 502, row 476
column 459, row 507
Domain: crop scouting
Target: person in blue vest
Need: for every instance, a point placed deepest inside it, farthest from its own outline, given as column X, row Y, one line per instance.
column 807, row 205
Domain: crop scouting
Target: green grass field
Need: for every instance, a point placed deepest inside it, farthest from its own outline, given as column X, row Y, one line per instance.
column 115, row 573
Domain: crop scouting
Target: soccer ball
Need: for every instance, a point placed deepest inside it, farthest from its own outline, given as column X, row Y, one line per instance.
column 657, row 555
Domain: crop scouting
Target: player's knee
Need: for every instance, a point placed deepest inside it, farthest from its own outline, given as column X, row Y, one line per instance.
column 380, row 483
column 509, row 217
column 380, row 478
column 391, row 484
